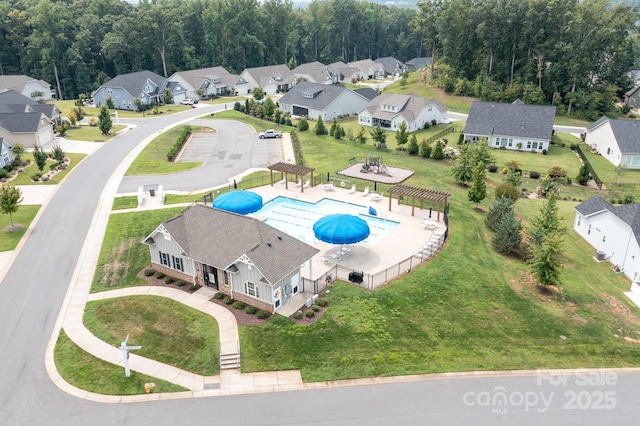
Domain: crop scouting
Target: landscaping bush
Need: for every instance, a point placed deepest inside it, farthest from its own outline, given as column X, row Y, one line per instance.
column 238, row 305
column 309, row 313
column 3, row 173
column 193, row 287
column 180, row 283
column 534, row 175
column 322, row 301
column 160, row 275
column 298, row 315
column 228, row 300
column 628, row 199
column 218, row 296
column 36, row 176
column 177, row 146
column 544, row 152
column 53, row 167
column 315, row 308
column 251, row 310
column 493, row 168
column 148, row 272
column 262, row 314
column 169, row 280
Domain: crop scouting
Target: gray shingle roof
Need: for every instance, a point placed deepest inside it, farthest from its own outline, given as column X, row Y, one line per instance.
column 218, row 238
column 316, row 70
column 417, row 63
column 196, row 77
column 27, row 122
column 272, row 74
column 312, row 95
column 629, row 213
column 517, row 120
column 412, row 105
column 134, row 82
column 367, row 92
column 17, row 82
column 626, row 132
column 390, row 64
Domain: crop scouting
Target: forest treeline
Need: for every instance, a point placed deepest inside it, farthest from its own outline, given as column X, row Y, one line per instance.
column 570, row 52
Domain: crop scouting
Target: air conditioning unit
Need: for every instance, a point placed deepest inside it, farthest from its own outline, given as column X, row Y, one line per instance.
column 601, row 256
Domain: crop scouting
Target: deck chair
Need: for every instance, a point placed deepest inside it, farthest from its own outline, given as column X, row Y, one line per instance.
column 352, row 190
column 376, row 197
column 366, row 191
column 307, row 184
column 299, row 183
column 282, row 181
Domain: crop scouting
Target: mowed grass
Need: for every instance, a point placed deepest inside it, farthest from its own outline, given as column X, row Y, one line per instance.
column 153, row 158
column 123, row 255
column 67, row 106
column 9, row 239
column 93, row 134
column 167, row 330
column 627, row 183
column 535, row 161
column 125, row 202
column 24, row 178
column 84, row 371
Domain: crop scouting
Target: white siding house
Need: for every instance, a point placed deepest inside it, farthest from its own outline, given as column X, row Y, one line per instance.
column 514, row 126
column 614, row 232
column 204, row 83
column 390, row 109
column 34, row 89
column 313, row 100
column 616, row 140
column 272, row 79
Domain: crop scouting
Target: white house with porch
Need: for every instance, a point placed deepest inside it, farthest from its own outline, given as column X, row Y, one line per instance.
column 237, row 255
column 616, row 140
column 390, row 109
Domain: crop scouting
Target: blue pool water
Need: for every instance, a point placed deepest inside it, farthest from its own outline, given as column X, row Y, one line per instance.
column 296, row 217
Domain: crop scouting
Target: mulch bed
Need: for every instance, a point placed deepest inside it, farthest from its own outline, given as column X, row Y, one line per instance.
column 242, row 317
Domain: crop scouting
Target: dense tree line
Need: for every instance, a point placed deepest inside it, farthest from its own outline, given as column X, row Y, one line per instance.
column 78, row 44
column 573, row 53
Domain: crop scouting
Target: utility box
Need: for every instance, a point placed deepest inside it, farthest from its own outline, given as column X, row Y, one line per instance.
column 356, row 277
column 601, row 256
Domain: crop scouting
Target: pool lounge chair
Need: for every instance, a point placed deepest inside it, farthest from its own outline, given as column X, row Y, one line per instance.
column 352, row 190
column 366, row 191
column 376, row 197
column 307, row 184
column 282, row 181
column 328, row 186
column 299, row 183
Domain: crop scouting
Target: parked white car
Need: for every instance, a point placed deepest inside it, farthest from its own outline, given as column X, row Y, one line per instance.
column 187, row 101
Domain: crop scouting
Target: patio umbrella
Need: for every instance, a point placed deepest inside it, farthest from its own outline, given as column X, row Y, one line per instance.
column 241, row 202
column 341, row 229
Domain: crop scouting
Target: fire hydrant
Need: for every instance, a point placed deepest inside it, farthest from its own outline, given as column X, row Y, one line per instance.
column 148, row 387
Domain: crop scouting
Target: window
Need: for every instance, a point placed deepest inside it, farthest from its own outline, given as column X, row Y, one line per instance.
column 535, row 145
column 510, row 143
column 604, row 238
column 225, row 277
column 579, row 217
column 528, row 144
column 164, row 258
column 251, row 289
column 608, row 151
column 177, row 263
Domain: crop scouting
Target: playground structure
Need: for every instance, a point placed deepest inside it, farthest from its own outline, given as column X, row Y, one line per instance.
column 374, row 164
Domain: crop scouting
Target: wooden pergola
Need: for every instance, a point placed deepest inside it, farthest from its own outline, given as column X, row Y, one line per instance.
column 290, row 169
column 422, row 194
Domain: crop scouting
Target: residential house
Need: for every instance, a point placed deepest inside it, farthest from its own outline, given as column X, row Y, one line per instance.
column 272, row 79
column 368, row 69
column 418, row 63
column 614, row 231
column 315, row 72
column 25, row 121
column 390, row 109
column 126, row 88
column 345, row 73
column 514, row 126
column 5, row 153
column 204, row 83
column 632, row 98
column 616, row 140
column 315, row 100
column 34, row 89
column 237, row 255
column 392, row 66
column 367, row 92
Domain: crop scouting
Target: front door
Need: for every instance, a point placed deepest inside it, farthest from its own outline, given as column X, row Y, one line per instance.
column 295, row 284
column 210, row 276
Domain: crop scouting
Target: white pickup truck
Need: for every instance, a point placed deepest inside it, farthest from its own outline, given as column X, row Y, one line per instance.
column 270, row 134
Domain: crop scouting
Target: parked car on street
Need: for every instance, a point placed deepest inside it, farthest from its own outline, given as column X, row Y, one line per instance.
column 270, row 134
column 187, row 101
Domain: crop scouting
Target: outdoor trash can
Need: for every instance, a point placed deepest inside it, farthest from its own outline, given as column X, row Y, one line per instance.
column 355, row 277
column 152, row 192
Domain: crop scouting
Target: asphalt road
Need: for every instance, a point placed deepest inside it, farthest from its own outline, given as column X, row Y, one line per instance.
column 33, row 289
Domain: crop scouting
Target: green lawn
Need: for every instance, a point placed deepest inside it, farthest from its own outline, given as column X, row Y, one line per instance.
column 24, row 216
column 92, row 134
column 628, row 183
column 126, row 202
column 25, row 177
column 167, row 330
column 153, row 158
column 84, row 371
column 67, row 106
column 535, row 161
column 123, row 255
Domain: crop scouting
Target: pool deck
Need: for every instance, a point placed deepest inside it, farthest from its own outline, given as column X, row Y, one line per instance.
column 398, row 245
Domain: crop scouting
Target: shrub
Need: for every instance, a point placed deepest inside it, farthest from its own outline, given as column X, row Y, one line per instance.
column 180, row 283
column 193, row 287
column 36, row 176
column 544, row 152
column 315, row 308
column 3, row 173
column 148, row 272
column 573, row 146
column 322, row 301
column 628, row 199
column 238, row 305
column 303, row 125
column 169, row 280
column 298, row 315
column 262, row 314
column 557, row 172
column 251, row 310
column 228, row 300
column 160, row 274
column 218, row 296
column 309, row 313
column 93, row 122
column 493, row 168
column 53, row 167
column 534, row 175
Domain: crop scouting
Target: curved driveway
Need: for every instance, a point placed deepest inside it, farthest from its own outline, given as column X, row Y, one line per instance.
column 34, row 287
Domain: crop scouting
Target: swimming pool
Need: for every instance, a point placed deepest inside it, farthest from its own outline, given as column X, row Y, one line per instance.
column 296, row 218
